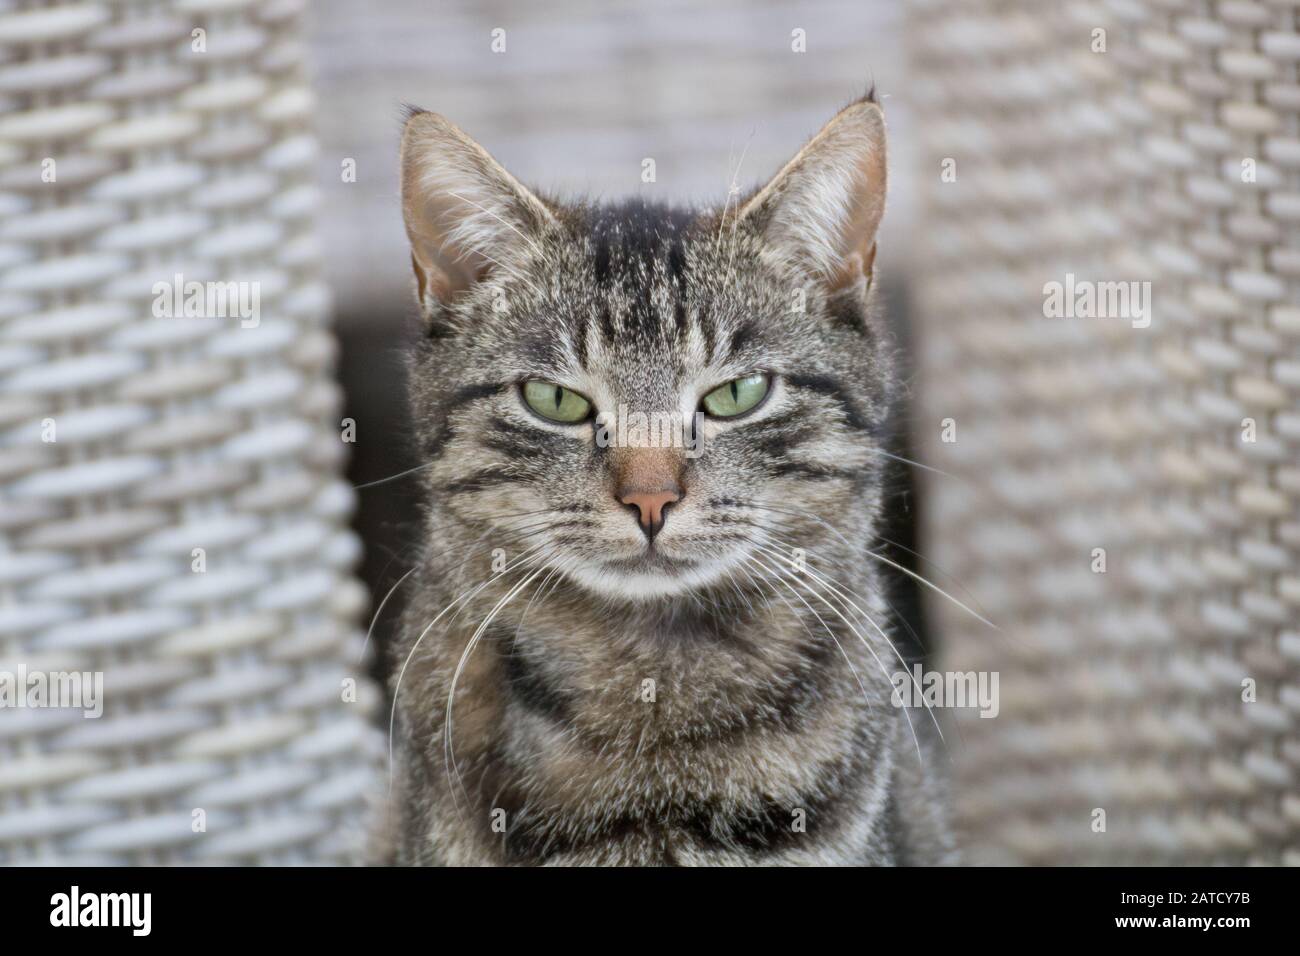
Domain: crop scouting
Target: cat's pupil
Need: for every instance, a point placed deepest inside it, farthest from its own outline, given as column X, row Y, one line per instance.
column 559, row 396
column 735, row 392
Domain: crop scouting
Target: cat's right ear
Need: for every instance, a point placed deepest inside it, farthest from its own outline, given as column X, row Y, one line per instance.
column 465, row 215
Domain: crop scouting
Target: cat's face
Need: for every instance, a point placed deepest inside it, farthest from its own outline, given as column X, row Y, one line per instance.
column 645, row 400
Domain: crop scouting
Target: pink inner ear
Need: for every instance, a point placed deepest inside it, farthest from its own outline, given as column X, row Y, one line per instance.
column 839, row 175
column 421, row 282
column 857, row 265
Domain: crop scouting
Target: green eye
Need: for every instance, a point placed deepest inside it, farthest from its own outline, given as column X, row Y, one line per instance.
column 556, row 402
column 737, row 396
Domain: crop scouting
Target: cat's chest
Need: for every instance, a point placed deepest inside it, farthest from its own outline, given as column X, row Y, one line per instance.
column 651, row 794
column 692, row 720
column 611, row 744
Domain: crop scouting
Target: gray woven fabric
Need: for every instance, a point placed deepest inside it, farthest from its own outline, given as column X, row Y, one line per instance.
column 171, row 508
column 1172, row 157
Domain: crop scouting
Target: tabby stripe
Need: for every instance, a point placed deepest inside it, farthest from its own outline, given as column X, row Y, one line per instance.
column 462, row 396
column 763, row 826
column 472, row 393
column 847, row 310
column 767, row 826
column 705, row 319
column 677, row 272
column 830, row 387
column 779, row 446
column 580, row 339
column 679, row 317
column 812, row 472
column 600, row 262
column 677, row 261
column 532, row 835
column 528, row 684
column 743, row 335
column 480, row 481
column 644, row 315
column 786, row 706
column 784, row 432
column 517, row 441
column 535, row 835
column 516, row 449
column 514, row 428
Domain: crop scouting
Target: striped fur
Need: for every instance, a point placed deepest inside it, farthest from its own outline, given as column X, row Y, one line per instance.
column 717, row 702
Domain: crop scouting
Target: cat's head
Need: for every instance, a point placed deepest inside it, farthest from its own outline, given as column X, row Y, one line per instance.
column 650, row 400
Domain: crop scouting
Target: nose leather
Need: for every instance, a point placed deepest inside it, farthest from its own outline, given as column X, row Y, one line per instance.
column 650, row 481
column 651, row 505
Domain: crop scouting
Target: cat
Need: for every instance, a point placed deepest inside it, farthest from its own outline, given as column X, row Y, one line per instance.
column 617, row 654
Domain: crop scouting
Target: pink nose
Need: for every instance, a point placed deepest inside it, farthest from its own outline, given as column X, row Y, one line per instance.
column 651, row 505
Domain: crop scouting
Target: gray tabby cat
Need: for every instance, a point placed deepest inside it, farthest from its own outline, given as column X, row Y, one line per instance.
column 633, row 651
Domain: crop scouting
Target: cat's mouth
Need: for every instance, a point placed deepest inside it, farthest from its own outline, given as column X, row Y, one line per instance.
column 644, row 576
column 650, row 561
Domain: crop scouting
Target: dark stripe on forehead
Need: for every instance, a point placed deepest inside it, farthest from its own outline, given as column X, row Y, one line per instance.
column 644, row 318
column 677, row 272
column 707, row 330
column 600, row 260
column 580, row 339
column 635, row 247
column 743, row 335
column 677, row 261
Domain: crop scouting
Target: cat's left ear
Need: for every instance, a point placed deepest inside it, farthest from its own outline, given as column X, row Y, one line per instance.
column 823, row 209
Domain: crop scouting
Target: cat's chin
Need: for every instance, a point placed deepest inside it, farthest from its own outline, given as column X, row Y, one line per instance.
column 646, row 580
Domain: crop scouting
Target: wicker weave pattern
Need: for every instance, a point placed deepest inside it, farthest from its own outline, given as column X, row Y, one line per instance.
column 223, row 689
column 1119, row 690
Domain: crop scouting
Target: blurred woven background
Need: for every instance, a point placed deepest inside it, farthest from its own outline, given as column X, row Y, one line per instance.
column 172, row 509
column 1121, row 691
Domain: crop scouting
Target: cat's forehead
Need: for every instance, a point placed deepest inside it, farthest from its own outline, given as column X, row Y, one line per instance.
column 637, row 284
column 636, row 264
